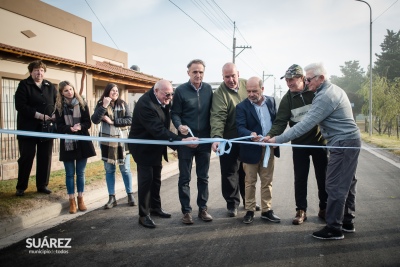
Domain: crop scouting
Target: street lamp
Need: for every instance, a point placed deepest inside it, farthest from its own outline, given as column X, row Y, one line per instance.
column 370, row 67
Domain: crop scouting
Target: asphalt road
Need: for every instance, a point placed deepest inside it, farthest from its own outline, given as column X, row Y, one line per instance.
column 114, row 238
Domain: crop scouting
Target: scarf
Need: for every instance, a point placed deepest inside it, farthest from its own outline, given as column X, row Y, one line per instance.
column 114, row 152
column 72, row 116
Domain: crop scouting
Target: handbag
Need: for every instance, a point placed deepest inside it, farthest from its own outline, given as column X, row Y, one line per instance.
column 48, row 126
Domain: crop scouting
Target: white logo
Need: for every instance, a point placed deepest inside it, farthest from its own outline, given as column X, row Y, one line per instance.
column 43, row 245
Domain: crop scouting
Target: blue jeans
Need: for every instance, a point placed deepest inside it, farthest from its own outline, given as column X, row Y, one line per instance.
column 126, row 175
column 70, row 173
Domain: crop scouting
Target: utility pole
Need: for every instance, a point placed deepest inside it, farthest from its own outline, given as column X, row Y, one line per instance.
column 234, row 44
column 267, row 76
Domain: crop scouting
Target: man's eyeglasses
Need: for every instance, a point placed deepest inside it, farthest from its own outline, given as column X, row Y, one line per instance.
column 167, row 94
column 309, row 79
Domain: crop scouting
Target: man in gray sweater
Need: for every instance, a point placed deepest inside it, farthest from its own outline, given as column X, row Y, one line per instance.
column 331, row 110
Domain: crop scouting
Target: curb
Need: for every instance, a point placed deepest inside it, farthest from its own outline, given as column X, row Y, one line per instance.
column 36, row 221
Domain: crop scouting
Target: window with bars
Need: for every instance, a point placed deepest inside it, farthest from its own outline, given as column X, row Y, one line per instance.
column 8, row 112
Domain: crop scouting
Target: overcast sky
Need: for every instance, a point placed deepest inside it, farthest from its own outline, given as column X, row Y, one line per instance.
column 161, row 38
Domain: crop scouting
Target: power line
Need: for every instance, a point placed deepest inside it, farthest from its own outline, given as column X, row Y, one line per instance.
column 210, row 16
column 199, row 25
column 231, row 21
column 222, row 20
column 385, row 11
column 102, row 25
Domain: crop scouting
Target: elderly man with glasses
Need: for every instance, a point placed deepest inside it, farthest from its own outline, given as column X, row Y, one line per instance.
column 151, row 121
column 331, row 110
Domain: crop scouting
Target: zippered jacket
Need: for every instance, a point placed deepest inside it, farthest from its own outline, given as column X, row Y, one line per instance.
column 192, row 108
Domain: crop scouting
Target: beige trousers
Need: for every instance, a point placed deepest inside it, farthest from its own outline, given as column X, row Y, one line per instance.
column 266, row 175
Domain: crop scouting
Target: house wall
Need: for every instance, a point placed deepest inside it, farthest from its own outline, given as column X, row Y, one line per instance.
column 58, row 33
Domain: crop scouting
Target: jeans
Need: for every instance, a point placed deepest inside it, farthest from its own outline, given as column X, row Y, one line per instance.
column 202, row 155
column 80, row 175
column 126, row 175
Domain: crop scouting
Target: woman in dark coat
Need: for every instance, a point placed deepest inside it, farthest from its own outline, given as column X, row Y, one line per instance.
column 34, row 101
column 72, row 116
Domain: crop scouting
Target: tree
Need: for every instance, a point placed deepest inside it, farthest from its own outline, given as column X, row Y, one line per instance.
column 388, row 62
column 385, row 104
column 351, row 82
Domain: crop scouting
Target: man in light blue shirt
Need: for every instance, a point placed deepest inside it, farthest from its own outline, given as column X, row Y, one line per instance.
column 254, row 117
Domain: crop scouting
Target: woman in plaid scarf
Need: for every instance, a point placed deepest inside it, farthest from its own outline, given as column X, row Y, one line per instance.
column 115, row 118
column 72, row 116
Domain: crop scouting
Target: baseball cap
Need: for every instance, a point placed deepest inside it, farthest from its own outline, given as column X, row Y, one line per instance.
column 294, row 70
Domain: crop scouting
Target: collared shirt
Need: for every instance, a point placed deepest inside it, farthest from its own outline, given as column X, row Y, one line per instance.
column 159, row 100
column 194, row 87
column 235, row 90
column 263, row 116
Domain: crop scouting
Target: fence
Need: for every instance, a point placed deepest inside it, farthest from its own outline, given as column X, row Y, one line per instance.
column 9, row 143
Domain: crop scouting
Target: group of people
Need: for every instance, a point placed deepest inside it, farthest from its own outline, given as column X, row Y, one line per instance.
column 318, row 113
column 37, row 101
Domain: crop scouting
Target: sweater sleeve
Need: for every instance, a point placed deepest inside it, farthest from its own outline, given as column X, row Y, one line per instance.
column 320, row 109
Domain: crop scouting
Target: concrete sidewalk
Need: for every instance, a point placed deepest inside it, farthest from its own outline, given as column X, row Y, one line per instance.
column 36, row 221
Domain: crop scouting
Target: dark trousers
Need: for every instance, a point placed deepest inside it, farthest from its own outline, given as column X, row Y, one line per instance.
column 232, row 177
column 202, row 155
column 28, row 148
column 149, row 184
column 301, row 163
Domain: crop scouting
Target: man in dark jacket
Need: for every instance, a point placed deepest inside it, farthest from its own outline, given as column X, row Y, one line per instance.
column 191, row 110
column 254, row 117
column 151, row 121
column 34, row 101
column 295, row 103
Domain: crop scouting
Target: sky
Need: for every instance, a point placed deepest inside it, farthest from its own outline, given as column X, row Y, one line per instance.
column 162, row 36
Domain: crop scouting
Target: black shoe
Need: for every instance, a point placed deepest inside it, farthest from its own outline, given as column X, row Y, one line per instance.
column 160, row 212
column 232, row 212
column 19, row 193
column 270, row 216
column 258, row 208
column 348, row 228
column 131, row 200
column 112, row 202
column 249, row 217
column 44, row 190
column 147, row 222
column 328, row 233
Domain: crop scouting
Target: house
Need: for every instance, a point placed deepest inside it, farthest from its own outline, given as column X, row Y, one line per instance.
column 34, row 30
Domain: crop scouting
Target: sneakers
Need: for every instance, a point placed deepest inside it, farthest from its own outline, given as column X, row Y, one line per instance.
column 348, row 228
column 187, row 218
column 328, row 233
column 321, row 214
column 205, row 216
column 232, row 212
column 300, row 217
column 270, row 216
column 249, row 217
